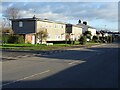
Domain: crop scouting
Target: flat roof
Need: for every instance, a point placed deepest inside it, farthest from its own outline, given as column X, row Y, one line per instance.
column 75, row 25
column 36, row 19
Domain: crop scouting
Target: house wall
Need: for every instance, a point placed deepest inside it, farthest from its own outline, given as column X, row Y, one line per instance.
column 55, row 30
column 93, row 31
column 74, row 31
column 85, row 28
column 77, row 31
column 28, row 27
column 28, row 38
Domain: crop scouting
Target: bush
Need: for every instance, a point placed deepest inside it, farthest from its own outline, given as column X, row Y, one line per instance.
column 30, row 42
column 21, row 40
column 5, row 38
column 89, row 37
column 15, row 39
column 82, row 40
column 107, row 38
column 95, row 39
column 110, row 39
column 101, row 39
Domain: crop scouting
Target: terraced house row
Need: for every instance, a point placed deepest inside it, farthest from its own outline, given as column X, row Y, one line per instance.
column 57, row 31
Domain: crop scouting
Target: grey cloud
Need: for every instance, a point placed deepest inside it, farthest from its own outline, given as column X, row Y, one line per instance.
column 76, row 10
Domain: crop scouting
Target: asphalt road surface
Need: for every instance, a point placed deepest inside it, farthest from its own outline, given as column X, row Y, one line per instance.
column 96, row 67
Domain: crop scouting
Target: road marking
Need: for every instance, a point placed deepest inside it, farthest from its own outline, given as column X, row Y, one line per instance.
column 73, row 62
column 25, row 78
column 76, row 62
column 98, row 45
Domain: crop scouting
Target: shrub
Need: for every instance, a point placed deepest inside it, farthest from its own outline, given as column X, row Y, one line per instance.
column 15, row 39
column 95, row 39
column 87, row 33
column 5, row 38
column 101, row 39
column 107, row 38
column 82, row 40
column 89, row 37
column 30, row 43
column 21, row 40
column 110, row 39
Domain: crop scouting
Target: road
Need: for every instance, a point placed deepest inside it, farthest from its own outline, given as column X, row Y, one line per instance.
column 96, row 67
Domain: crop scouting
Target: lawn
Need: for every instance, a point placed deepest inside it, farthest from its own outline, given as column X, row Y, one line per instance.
column 33, row 47
column 42, row 46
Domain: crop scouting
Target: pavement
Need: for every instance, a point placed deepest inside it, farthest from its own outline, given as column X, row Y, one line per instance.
column 95, row 67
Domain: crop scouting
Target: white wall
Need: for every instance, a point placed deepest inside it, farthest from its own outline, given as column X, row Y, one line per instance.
column 55, row 31
column 93, row 31
column 33, row 39
column 77, row 31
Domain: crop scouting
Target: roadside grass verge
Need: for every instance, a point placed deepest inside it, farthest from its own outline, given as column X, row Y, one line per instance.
column 33, row 47
column 43, row 47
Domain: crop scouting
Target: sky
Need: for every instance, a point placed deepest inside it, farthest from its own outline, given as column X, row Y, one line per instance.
column 101, row 15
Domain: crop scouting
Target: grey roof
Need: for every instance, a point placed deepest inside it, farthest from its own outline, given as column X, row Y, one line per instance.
column 75, row 25
column 83, row 25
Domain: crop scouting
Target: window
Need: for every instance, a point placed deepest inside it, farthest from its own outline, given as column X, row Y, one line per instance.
column 59, row 25
column 55, row 26
column 20, row 24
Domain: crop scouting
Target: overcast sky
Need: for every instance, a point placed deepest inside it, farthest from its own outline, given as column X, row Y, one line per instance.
column 98, row 14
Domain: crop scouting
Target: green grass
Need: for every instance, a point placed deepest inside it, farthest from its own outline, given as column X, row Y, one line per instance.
column 33, row 47
column 22, row 45
column 42, row 46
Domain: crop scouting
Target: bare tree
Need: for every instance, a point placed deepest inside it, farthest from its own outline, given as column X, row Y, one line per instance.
column 4, row 23
column 12, row 13
column 41, row 34
column 7, row 30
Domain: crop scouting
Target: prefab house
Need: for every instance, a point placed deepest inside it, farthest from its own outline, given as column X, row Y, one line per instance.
column 28, row 27
column 86, row 27
column 74, row 31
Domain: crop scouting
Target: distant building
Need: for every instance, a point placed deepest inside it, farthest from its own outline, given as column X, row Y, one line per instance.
column 57, row 31
column 86, row 27
column 74, row 31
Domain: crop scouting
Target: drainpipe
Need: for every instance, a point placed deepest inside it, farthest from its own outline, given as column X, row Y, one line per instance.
column 35, row 31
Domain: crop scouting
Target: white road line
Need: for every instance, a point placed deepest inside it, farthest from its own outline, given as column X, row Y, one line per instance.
column 76, row 62
column 98, row 45
column 73, row 62
column 26, row 78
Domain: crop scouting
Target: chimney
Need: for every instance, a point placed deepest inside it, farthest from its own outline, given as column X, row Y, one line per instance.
column 84, row 22
column 34, row 17
column 79, row 21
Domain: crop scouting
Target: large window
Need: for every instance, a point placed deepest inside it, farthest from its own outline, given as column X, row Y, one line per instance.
column 20, row 24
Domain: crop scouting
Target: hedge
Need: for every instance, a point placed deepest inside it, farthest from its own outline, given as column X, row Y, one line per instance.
column 13, row 39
